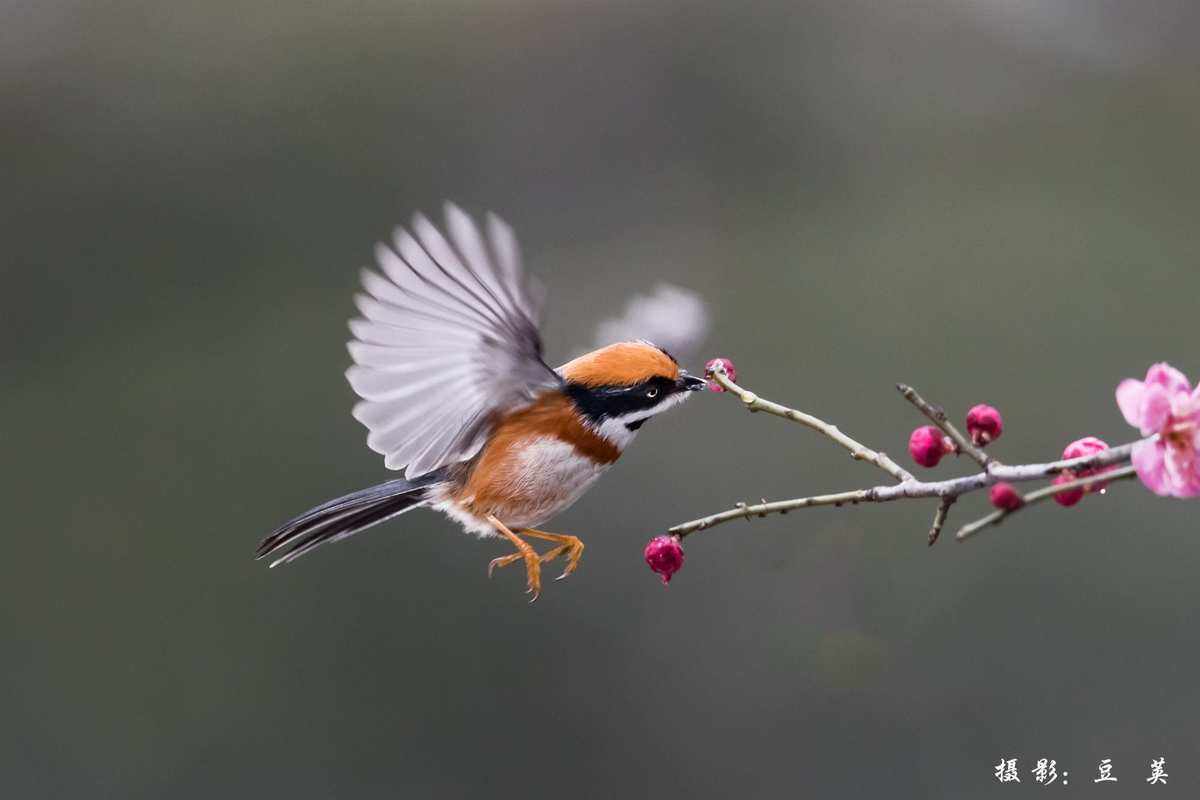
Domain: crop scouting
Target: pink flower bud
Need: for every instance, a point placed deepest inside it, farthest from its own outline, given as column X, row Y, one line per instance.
column 1004, row 496
column 664, row 555
column 927, row 445
column 726, row 366
column 984, row 425
column 1071, row 496
column 1087, row 446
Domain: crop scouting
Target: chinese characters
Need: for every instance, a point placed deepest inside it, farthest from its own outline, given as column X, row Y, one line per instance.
column 1045, row 772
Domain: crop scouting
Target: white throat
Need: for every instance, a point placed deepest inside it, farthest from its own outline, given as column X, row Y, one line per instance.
column 617, row 430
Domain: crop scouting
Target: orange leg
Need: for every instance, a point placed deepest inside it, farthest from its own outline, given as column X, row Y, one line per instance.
column 569, row 545
column 533, row 564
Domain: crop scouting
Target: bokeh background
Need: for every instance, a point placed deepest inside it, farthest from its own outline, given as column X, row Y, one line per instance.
column 993, row 201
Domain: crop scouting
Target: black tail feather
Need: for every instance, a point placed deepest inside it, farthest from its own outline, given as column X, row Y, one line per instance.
column 343, row 517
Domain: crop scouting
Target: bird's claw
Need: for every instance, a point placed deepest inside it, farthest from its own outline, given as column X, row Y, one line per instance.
column 570, row 546
column 533, row 574
column 502, row 561
column 574, row 552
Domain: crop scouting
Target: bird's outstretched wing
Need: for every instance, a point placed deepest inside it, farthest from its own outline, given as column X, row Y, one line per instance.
column 673, row 318
column 448, row 339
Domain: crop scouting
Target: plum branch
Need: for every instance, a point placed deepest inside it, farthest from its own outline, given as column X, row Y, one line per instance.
column 1083, row 473
column 859, row 452
column 937, row 415
column 1046, row 492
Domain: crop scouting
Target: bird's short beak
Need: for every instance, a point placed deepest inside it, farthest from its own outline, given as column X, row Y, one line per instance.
column 690, row 383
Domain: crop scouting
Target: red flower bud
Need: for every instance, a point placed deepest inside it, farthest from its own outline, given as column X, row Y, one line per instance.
column 1071, row 496
column 664, row 555
column 927, row 445
column 984, row 425
column 1004, row 496
column 1087, row 446
column 726, row 366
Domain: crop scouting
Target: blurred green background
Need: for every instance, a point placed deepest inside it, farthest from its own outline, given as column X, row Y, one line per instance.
column 992, row 201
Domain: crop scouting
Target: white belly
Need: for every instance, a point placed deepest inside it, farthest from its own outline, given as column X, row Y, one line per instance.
column 548, row 476
column 553, row 475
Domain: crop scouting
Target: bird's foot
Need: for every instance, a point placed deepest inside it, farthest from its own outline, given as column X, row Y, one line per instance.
column 533, row 569
column 533, row 562
column 570, row 546
column 573, row 550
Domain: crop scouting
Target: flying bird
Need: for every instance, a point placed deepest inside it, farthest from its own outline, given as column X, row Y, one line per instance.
column 455, row 392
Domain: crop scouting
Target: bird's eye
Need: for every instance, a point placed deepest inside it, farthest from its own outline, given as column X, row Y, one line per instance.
column 652, row 392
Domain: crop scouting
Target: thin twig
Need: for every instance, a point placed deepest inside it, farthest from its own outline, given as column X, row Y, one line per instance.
column 996, row 517
column 744, row 511
column 937, row 415
column 1028, row 472
column 858, row 451
column 939, row 518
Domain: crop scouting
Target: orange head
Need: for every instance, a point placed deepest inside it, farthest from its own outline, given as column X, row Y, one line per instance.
column 621, row 364
column 618, row 387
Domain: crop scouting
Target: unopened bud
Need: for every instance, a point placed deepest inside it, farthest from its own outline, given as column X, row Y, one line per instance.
column 984, row 425
column 1071, row 496
column 722, row 364
column 927, row 445
column 664, row 555
column 1004, row 496
column 1087, row 446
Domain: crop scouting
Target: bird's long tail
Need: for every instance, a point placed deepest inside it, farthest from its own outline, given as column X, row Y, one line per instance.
column 345, row 516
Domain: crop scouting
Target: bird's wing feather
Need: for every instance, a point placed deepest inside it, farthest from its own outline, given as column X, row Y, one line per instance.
column 447, row 340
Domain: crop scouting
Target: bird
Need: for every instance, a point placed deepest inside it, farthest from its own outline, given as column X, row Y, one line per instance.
column 454, row 392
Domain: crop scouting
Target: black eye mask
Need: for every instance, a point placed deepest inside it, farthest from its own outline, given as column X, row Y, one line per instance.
column 599, row 403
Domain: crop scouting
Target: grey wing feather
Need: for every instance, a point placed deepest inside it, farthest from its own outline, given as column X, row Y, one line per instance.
column 448, row 338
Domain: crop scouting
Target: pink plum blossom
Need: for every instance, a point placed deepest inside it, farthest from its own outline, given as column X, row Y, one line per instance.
column 1165, row 404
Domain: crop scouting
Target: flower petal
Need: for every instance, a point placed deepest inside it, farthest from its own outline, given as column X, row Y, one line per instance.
column 1148, row 461
column 1186, row 407
column 1156, row 409
column 1129, row 400
column 1168, row 377
column 1181, row 470
column 1182, row 406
